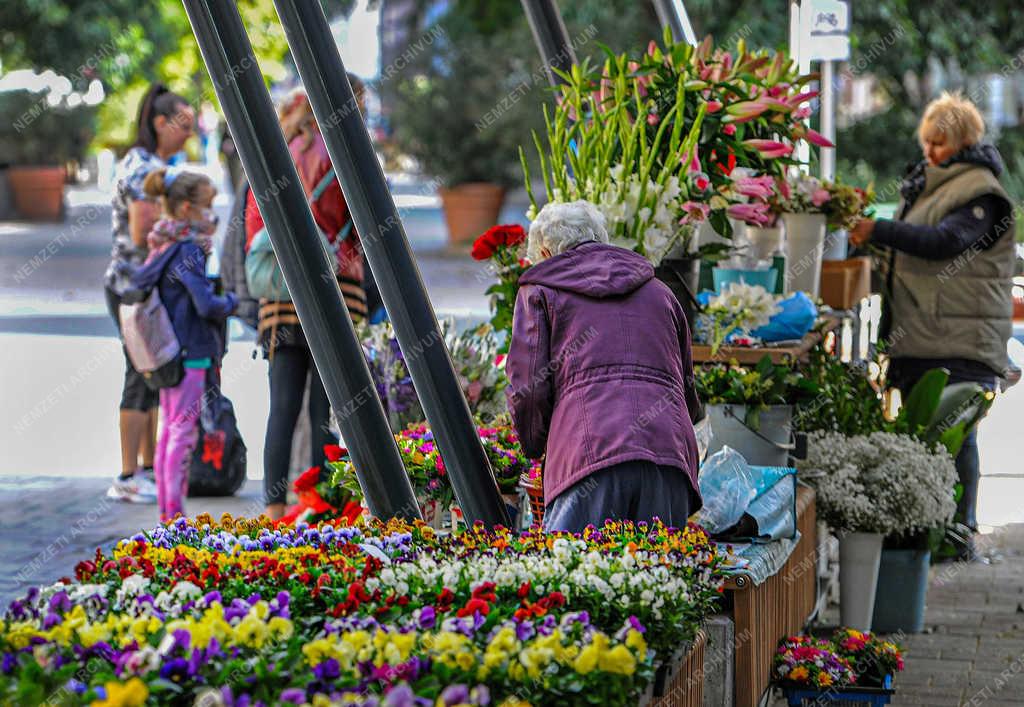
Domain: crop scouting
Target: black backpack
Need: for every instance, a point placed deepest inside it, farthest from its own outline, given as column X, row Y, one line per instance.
column 219, row 461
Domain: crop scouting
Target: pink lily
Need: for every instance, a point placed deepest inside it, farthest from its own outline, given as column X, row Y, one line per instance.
column 802, row 113
column 714, row 106
column 816, row 138
column 746, row 110
column 755, row 187
column 783, row 186
column 778, row 89
column 693, row 165
column 820, row 196
column 729, row 129
column 769, row 148
column 694, row 211
column 652, row 119
column 652, row 48
column 756, row 214
column 801, row 98
column 775, row 104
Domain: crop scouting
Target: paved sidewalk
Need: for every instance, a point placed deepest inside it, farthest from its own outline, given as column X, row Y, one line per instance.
column 972, row 652
column 49, row 524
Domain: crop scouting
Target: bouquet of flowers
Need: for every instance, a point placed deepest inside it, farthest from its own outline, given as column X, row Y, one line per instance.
column 846, row 204
column 801, row 661
column 474, row 352
column 613, row 144
column 740, row 308
column 843, row 205
column 504, row 247
column 745, row 110
column 872, row 658
column 319, row 498
column 426, row 467
column 886, row 483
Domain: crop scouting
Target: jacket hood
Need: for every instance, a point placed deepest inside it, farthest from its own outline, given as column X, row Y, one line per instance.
column 148, row 274
column 984, row 155
column 593, row 269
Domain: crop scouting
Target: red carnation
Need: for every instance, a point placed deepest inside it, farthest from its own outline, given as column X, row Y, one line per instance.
column 334, row 453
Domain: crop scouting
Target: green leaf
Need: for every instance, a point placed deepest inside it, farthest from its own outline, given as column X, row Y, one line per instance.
column 923, row 400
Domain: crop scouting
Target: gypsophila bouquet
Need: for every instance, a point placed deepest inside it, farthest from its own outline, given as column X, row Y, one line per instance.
column 880, row 483
column 739, row 308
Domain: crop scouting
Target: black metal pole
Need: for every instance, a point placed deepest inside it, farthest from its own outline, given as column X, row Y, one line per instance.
column 307, row 271
column 391, row 260
column 551, row 37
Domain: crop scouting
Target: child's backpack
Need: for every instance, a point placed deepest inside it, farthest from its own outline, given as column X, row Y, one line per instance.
column 218, row 465
column 262, row 271
column 149, row 338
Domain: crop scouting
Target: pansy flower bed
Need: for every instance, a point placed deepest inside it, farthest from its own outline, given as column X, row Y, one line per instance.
column 243, row 613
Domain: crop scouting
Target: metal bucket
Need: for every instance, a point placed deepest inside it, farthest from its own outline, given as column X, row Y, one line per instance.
column 769, row 445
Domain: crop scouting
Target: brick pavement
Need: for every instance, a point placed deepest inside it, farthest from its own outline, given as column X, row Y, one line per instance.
column 972, row 652
column 48, row 524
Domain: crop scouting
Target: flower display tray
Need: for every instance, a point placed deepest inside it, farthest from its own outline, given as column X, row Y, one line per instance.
column 749, row 355
column 804, row 697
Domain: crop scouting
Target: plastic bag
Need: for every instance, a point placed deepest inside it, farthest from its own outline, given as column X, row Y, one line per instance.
column 796, row 319
column 732, row 489
column 727, row 487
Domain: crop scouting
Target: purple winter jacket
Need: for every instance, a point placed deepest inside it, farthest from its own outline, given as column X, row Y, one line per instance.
column 599, row 367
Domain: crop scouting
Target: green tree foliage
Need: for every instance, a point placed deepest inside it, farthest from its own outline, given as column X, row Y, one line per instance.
column 128, row 44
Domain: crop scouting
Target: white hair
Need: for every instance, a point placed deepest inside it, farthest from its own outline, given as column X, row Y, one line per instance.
column 559, row 227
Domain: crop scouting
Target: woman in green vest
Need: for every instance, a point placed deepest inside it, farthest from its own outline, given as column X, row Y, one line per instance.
column 951, row 266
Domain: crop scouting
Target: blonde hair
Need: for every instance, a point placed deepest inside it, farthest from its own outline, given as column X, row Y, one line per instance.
column 954, row 116
column 296, row 114
column 182, row 187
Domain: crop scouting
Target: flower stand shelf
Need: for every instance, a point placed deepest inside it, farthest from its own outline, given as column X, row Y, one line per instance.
column 801, row 697
column 683, row 678
column 749, row 355
column 778, row 606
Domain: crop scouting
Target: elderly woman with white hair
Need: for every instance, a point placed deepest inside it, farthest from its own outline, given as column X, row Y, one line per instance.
column 601, row 378
column 951, row 266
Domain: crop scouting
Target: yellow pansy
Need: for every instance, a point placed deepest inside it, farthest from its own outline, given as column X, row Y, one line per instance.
column 91, row 634
column 586, row 661
column 635, row 640
column 20, row 633
column 618, row 660
column 251, row 631
column 130, row 694
column 281, row 629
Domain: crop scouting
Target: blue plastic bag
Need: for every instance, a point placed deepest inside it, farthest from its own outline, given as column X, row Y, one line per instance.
column 731, row 488
column 796, row 319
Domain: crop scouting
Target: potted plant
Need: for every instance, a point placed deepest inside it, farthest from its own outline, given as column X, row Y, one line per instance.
column 851, row 667
column 869, row 487
column 751, row 408
column 441, row 97
column 44, row 138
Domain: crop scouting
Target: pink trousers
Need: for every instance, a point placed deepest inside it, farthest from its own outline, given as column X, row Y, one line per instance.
column 180, row 407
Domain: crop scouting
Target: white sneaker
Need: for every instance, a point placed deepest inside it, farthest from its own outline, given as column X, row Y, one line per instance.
column 134, row 489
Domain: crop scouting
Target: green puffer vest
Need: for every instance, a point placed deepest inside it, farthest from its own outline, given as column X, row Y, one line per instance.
column 960, row 307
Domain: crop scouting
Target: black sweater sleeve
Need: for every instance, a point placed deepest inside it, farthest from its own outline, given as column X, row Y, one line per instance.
column 978, row 223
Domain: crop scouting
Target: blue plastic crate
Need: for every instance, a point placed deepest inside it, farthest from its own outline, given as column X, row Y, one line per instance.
column 800, row 697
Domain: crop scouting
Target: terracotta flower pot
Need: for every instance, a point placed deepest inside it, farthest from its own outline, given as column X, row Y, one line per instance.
column 470, row 209
column 38, row 192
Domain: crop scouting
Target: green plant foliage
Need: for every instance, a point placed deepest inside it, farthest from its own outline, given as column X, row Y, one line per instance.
column 39, row 134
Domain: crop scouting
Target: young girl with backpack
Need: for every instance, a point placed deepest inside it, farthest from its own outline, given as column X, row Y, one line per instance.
column 179, row 244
